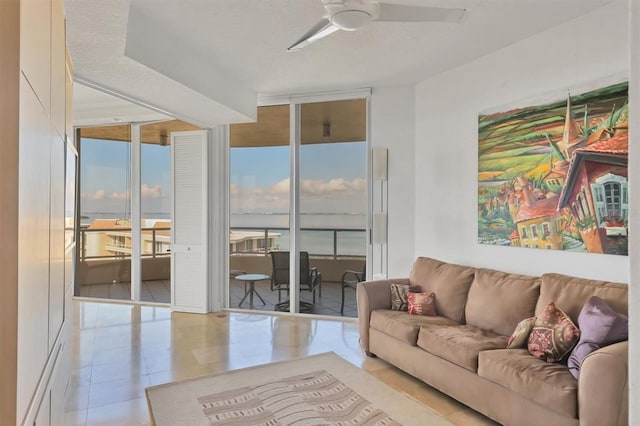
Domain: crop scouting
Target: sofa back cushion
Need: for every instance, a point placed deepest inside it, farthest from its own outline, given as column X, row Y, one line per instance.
column 449, row 282
column 498, row 301
column 571, row 293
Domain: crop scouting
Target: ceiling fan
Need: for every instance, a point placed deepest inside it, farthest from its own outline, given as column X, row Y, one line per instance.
column 351, row 15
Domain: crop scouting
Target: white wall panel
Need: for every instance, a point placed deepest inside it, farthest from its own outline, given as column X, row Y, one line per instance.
column 35, row 46
column 58, row 68
column 189, row 278
column 33, row 247
column 56, row 239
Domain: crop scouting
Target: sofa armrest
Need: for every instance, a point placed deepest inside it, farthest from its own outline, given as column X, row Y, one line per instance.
column 603, row 389
column 372, row 295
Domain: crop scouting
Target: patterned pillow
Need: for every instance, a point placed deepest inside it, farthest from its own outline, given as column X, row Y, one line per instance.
column 553, row 335
column 520, row 335
column 422, row 304
column 399, row 296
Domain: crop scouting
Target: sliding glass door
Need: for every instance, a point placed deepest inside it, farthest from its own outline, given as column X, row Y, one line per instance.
column 333, row 202
column 325, row 165
column 104, row 263
column 259, row 211
column 155, row 215
column 125, row 211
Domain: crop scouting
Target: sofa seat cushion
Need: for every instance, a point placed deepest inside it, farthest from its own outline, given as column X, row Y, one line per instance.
column 459, row 344
column 548, row 384
column 403, row 326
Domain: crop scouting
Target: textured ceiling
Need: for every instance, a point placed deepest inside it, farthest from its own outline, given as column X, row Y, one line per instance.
column 92, row 107
column 205, row 54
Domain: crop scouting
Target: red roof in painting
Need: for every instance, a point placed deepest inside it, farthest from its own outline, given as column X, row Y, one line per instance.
column 514, row 235
column 615, row 145
column 540, row 208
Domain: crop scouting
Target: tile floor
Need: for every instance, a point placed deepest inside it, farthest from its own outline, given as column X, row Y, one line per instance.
column 118, row 350
column 160, row 292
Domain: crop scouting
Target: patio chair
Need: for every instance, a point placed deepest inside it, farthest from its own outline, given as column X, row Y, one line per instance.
column 310, row 278
column 350, row 279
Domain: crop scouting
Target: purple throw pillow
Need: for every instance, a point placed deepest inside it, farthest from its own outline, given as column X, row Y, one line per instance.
column 600, row 326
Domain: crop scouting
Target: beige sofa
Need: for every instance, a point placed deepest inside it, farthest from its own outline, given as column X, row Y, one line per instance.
column 462, row 351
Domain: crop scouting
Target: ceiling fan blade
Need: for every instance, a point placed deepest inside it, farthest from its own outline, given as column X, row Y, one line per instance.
column 319, row 30
column 403, row 13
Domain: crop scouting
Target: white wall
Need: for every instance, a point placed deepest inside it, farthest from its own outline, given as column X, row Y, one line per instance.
column 585, row 49
column 392, row 127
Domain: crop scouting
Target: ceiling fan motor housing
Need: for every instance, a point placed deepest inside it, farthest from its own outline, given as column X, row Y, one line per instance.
column 350, row 20
column 351, row 15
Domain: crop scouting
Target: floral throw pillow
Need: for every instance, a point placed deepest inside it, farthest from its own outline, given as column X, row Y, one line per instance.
column 422, row 304
column 399, row 296
column 553, row 335
column 521, row 334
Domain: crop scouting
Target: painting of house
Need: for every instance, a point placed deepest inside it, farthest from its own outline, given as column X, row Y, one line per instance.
column 596, row 193
column 554, row 175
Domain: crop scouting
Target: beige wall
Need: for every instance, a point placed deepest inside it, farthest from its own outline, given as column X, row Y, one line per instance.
column 33, row 321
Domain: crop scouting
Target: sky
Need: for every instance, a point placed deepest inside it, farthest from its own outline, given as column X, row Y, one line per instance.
column 333, row 178
column 104, row 177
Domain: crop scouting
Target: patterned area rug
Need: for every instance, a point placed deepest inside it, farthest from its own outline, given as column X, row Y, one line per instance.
column 317, row 390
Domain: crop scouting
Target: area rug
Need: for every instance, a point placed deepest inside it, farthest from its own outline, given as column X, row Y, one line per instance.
column 316, row 390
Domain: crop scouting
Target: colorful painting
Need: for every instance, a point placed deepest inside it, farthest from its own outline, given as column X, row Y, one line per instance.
column 554, row 175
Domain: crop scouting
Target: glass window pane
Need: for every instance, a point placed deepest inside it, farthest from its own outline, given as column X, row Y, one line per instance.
column 259, row 210
column 333, row 201
column 104, row 264
column 155, row 206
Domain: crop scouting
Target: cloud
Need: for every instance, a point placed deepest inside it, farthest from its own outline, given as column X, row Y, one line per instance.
column 350, row 194
column 281, row 187
column 146, row 191
column 98, row 195
column 119, row 195
column 151, row 191
column 308, row 187
column 338, row 185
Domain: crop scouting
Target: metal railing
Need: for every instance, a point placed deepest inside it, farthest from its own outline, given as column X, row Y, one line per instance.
column 334, row 252
column 114, row 245
column 335, row 232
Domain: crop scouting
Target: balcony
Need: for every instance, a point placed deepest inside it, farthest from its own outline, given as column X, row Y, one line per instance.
column 104, row 267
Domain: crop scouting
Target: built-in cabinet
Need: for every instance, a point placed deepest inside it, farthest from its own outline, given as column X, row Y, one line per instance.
column 39, row 278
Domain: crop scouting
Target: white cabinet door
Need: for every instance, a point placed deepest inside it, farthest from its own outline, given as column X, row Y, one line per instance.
column 189, row 277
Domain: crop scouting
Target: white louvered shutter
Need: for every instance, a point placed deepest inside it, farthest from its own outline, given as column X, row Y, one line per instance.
column 189, row 280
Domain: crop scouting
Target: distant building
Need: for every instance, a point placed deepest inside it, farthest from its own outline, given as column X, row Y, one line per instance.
column 158, row 239
column 247, row 242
